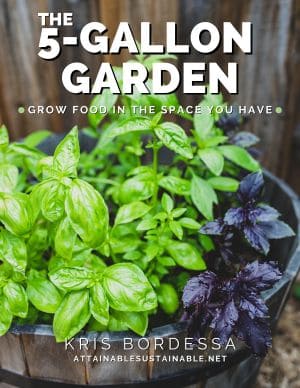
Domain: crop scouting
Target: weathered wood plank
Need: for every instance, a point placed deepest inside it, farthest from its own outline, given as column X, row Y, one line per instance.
column 12, row 355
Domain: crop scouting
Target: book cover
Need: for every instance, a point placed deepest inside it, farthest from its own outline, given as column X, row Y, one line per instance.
column 149, row 215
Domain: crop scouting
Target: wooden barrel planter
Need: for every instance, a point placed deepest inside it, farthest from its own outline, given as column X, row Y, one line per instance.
column 30, row 357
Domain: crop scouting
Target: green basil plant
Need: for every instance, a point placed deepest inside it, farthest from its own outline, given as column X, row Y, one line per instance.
column 106, row 240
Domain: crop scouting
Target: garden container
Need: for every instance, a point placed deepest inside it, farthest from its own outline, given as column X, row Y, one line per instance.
column 30, row 356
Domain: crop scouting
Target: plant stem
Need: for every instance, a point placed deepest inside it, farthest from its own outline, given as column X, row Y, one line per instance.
column 155, row 170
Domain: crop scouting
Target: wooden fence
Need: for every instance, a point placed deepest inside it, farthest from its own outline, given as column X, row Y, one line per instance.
column 270, row 76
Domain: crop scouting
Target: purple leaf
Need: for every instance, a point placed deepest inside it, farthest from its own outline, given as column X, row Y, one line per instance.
column 213, row 227
column 235, row 216
column 244, row 139
column 199, row 289
column 276, row 229
column 266, row 213
column 224, row 321
column 250, row 187
column 256, row 333
column 254, row 306
column 259, row 276
column 257, row 239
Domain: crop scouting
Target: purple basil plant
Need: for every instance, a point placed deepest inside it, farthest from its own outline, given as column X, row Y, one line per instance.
column 226, row 298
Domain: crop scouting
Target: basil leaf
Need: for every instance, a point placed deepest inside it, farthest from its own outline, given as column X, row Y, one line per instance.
column 178, row 212
column 72, row 315
column 174, row 138
column 72, row 279
column 137, row 322
column 42, row 293
column 147, row 224
column 214, row 141
column 116, row 325
column 213, row 159
column 13, row 250
column 105, row 99
column 128, row 289
column 53, row 194
column 203, row 196
column 176, row 229
column 16, row 298
column 167, row 298
column 186, row 255
column 99, row 304
column 4, row 139
column 65, row 239
column 8, row 178
column 189, row 223
column 175, row 185
column 204, row 121
column 15, row 213
column 87, row 213
column 36, row 137
column 6, row 316
column 213, row 99
column 131, row 212
column 167, row 203
column 240, row 156
column 138, row 124
column 224, row 183
column 138, row 188
column 67, row 154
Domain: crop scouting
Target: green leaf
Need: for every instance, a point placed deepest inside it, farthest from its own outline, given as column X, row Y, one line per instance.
column 213, row 159
column 214, row 141
column 8, row 178
column 128, row 289
column 147, row 224
column 67, row 154
column 186, row 255
column 138, row 188
column 65, row 239
column 72, row 315
column 174, row 138
column 52, row 195
column 138, row 124
column 42, row 293
column 213, row 99
column 167, row 298
column 178, row 212
column 224, row 183
column 189, row 223
column 87, row 213
column 203, row 197
column 166, row 261
column 167, row 203
column 131, row 212
column 99, row 304
column 72, row 279
column 107, row 100
column 15, row 213
column 175, row 185
column 5, row 316
column 16, row 298
column 176, row 229
column 13, row 250
column 4, row 139
column 36, row 137
column 240, row 156
column 204, row 121
column 135, row 321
